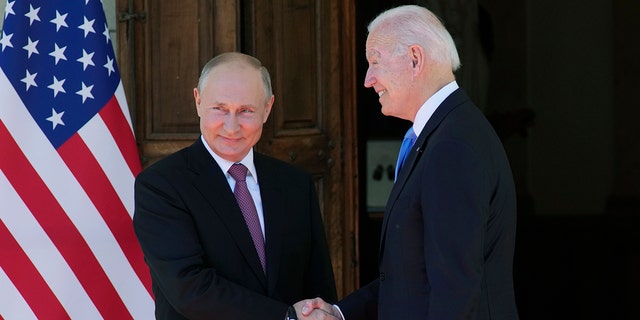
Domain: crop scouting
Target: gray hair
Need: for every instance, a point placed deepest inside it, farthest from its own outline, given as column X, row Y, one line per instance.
column 248, row 60
column 413, row 24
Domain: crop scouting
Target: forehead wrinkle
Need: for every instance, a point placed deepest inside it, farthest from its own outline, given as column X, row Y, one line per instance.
column 376, row 42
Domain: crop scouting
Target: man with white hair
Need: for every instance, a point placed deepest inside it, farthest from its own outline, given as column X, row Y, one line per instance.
column 448, row 233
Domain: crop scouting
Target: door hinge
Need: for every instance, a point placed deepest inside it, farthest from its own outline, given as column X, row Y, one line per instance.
column 126, row 16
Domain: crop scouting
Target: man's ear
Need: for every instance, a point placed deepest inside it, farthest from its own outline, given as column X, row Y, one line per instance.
column 416, row 54
column 196, row 98
column 267, row 108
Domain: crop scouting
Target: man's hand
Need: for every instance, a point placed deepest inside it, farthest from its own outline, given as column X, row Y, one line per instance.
column 316, row 309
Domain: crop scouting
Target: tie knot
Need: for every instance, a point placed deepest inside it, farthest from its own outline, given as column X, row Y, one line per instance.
column 410, row 134
column 238, row 171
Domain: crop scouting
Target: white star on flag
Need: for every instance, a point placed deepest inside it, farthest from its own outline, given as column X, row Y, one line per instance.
column 106, row 34
column 85, row 92
column 31, row 47
column 6, row 40
column 56, row 86
column 58, row 53
column 87, row 26
column 86, row 59
column 9, row 9
column 109, row 65
column 59, row 21
column 56, row 118
column 33, row 14
column 30, row 80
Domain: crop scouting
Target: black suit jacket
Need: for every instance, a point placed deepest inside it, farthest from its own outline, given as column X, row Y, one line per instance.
column 200, row 254
column 448, row 233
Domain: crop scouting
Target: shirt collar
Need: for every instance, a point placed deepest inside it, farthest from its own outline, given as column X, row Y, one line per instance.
column 224, row 164
column 429, row 107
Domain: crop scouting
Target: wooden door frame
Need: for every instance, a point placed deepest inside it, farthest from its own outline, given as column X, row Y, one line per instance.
column 351, row 205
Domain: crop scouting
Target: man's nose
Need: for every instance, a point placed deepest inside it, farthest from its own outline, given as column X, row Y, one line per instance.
column 369, row 79
column 231, row 122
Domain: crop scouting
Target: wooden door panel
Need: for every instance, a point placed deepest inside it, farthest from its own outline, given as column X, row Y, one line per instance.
column 297, row 33
column 172, row 54
column 176, row 38
column 303, row 42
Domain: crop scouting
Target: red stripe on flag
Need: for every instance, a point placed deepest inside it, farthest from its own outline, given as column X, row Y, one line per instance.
column 94, row 181
column 119, row 128
column 27, row 279
column 52, row 218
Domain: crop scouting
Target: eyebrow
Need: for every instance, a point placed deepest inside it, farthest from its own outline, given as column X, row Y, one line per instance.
column 219, row 103
column 224, row 104
column 372, row 54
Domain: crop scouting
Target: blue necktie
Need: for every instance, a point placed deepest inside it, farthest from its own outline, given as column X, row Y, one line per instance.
column 405, row 149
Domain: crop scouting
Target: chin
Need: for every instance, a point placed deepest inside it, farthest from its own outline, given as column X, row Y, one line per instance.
column 385, row 111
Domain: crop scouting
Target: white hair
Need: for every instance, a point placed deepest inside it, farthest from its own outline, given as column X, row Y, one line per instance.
column 412, row 24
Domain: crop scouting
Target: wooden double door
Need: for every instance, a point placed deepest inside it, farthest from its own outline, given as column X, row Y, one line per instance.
column 308, row 47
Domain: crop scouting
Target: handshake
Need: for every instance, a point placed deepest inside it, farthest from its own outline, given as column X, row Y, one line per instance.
column 317, row 309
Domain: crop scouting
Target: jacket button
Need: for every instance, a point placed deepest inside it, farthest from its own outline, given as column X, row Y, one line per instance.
column 381, row 276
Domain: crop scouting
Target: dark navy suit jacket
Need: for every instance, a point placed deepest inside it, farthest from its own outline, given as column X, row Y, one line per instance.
column 201, row 257
column 448, row 233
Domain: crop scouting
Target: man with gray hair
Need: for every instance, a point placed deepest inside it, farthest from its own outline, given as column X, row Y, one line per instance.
column 448, row 232
column 229, row 233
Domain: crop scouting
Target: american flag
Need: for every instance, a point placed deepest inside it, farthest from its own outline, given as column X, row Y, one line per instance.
column 68, row 160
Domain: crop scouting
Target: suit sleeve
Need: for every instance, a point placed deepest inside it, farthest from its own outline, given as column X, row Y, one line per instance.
column 362, row 304
column 454, row 209
column 169, row 240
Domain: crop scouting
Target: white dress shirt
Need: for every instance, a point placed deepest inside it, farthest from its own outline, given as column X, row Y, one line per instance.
column 429, row 107
column 252, row 178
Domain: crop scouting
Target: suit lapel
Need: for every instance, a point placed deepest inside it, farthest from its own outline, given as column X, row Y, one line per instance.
column 212, row 184
column 451, row 102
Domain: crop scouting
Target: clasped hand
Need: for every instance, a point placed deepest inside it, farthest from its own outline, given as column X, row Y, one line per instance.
column 316, row 309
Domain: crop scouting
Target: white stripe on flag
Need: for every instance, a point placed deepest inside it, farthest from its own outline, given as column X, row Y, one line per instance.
column 18, row 308
column 104, row 148
column 44, row 254
column 129, row 287
column 74, row 201
column 122, row 101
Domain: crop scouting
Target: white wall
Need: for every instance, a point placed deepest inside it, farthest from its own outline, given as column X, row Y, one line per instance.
column 110, row 12
column 571, row 91
column 3, row 4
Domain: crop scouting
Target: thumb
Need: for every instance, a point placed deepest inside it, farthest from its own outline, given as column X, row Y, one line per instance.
column 309, row 305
